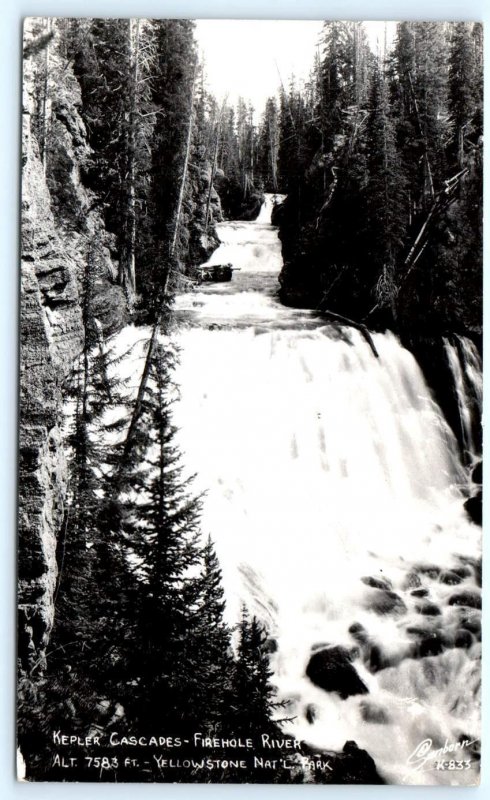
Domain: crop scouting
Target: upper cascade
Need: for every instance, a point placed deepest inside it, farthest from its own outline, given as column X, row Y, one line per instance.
column 265, row 214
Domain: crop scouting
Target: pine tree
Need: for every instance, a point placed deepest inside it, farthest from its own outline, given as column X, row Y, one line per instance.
column 268, row 146
column 338, row 78
column 113, row 61
column 253, row 692
column 252, row 705
column 173, row 87
column 462, row 86
column 162, row 524
column 384, row 193
column 211, row 686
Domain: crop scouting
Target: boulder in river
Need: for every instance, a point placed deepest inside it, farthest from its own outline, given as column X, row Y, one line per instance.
column 450, row 577
column 411, row 581
column 466, row 598
column 428, row 609
column 471, row 621
column 357, row 766
column 429, row 570
column 374, row 713
column 463, row 639
column 332, row 670
column 359, row 633
column 385, row 602
column 431, row 645
column 473, row 505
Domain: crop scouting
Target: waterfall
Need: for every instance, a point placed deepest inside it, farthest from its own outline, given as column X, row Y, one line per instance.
column 334, row 494
column 465, row 365
column 265, row 214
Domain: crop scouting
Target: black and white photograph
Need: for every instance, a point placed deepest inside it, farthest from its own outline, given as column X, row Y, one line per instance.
column 250, row 439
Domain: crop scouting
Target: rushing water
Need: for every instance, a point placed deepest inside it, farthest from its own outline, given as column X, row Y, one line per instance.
column 465, row 365
column 324, row 465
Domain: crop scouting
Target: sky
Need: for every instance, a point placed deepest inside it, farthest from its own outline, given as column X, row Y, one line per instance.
column 249, row 58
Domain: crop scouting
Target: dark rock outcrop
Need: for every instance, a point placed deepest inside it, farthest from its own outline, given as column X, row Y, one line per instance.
column 474, row 508
column 332, row 670
column 57, row 228
column 351, row 766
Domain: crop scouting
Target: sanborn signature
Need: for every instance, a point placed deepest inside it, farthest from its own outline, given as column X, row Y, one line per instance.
column 425, row 756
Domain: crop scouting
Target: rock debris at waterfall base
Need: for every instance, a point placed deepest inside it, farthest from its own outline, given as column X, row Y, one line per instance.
column 467, row 598
column 332, row 670
column 382, row 601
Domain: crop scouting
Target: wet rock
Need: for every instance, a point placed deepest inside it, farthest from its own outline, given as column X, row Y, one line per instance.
column 477, row 473
column 411, row 581
column 418, row 630
column 377, row 583
column 357, row 766
column 376, row 660
column 270, row 645
column 385, row 602
column 447, row 636
column 351, row 766
column 474, row 508
column 419, row 593
column 471, row 567
column 471, row 623
column 311, row 713
column 465, row 598
column 428, row 609
column 359, row 633
column 465, row 571
column 463, row 639
column 429, row 570
column 331, row 669
column 450, row 577
column 431, row 645
column 374, row 713
column 372, row 653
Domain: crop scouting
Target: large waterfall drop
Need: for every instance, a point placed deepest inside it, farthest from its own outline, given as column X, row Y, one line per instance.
column 324, row 466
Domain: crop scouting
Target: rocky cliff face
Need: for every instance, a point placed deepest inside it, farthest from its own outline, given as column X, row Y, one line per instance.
column 58, row 227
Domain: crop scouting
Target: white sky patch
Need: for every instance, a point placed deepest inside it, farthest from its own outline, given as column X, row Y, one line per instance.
column 248, row 58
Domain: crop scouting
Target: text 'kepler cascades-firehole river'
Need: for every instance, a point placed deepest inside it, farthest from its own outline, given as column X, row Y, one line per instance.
column 334, row 493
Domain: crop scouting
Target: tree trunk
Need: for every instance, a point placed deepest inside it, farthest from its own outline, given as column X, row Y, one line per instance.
column 185, row 169
column 214, row 164
column 127, row 274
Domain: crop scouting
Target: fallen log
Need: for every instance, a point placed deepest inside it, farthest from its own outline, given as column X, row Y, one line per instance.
column 358, row 325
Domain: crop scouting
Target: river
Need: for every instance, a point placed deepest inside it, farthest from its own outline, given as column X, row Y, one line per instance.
column 334, row 495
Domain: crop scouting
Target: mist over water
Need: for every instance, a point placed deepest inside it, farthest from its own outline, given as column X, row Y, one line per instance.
column 323, row 465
